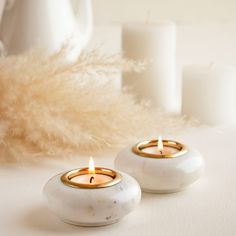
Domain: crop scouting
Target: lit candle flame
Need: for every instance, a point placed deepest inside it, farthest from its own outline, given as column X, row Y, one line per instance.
column 160, row 144
column 91, row 166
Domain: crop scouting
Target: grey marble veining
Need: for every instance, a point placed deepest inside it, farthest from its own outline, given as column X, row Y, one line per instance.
column 92, row 207
column 161, row 175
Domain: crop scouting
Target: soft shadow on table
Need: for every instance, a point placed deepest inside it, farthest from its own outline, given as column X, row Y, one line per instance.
column 146, row 196
column 192, row 189
column 39, row 218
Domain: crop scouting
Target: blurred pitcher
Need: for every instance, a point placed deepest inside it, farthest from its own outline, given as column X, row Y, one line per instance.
column 48, row 24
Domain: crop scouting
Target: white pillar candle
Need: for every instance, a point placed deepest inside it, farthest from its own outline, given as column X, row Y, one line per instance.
column 156, row 43
column 209, row 93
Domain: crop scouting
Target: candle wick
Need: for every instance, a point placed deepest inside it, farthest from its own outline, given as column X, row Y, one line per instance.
column 91, row 179
column 161, row 152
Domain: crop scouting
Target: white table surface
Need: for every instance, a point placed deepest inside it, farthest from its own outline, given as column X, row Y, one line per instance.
column 208, row 207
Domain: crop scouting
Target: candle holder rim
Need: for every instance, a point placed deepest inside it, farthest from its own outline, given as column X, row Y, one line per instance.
column 138, row 147
column 67, row 177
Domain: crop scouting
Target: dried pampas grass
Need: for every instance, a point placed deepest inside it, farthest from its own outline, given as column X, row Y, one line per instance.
column 51, row 107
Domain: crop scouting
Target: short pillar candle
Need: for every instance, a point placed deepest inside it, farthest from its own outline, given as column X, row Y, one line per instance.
column 209, row 94
column 156, row 44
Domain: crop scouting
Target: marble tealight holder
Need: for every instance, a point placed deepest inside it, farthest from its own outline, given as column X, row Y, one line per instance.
column 88, row 204
column 161, row 172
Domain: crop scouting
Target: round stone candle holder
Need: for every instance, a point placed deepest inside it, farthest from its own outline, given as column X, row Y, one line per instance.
column 92, row 204
column 169, row 170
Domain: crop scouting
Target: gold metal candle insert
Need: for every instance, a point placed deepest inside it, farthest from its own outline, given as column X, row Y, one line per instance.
column 139, row 149
column 68, row 176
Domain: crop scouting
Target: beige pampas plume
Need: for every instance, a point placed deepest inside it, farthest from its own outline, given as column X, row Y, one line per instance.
column 51, row 107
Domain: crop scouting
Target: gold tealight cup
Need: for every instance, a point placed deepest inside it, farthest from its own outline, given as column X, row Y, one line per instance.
column 68, row 177
column 140, row 148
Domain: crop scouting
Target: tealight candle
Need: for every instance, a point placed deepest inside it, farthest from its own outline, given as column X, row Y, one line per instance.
column 92, row 177
column 98, row 179
column 161, row 166
column 92, row 196
column 160, row 149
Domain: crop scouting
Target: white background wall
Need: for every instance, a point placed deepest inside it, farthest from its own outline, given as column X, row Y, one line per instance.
column 179, row 10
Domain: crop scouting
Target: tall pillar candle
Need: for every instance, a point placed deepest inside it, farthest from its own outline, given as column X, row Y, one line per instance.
column 156, row 44
column 209, row 93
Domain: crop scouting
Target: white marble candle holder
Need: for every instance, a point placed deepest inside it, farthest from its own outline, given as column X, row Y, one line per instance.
column 161, row 173
column 97, row 205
